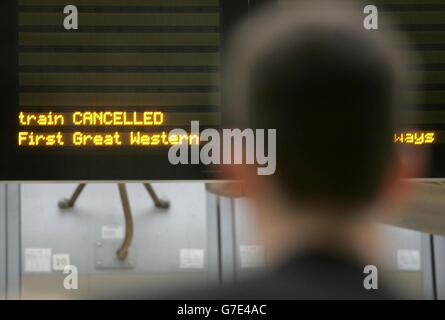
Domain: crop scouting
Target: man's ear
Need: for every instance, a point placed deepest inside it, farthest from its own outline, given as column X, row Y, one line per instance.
column 409, row 162
column 242, row 174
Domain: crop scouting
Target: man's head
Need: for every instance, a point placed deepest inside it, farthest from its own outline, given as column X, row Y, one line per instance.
column 331, row 89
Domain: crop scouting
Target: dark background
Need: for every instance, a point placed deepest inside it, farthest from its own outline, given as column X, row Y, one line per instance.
column 85, row 164
column 122, row 164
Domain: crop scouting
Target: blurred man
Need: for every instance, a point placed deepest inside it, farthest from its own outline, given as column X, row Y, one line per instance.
column 333, row 91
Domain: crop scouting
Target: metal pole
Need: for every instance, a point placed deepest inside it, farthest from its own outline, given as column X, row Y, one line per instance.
column 69, row 203
column 122, row 253
column 159, row 203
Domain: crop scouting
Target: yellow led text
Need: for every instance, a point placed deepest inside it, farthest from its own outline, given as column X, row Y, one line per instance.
column 89, row 118
column 416, row 138
column 84, row 139
column 40, row 119
column 138, row 138
column 118, row 118
column 40, row 139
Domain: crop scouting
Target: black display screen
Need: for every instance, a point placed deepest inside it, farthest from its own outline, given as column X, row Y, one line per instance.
column 96, row 100
column 91, row 89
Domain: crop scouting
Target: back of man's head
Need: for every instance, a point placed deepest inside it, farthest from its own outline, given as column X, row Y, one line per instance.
column 332, row 91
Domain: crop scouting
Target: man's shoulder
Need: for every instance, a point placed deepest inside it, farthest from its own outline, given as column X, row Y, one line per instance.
column 290, row 287
column 313, row 276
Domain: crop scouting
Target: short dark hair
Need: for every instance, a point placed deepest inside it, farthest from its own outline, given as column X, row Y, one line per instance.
column 331, row 89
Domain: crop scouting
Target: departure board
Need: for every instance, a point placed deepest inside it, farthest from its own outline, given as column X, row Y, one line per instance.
column 92, row 94
column 423, row 23
column 98, row 85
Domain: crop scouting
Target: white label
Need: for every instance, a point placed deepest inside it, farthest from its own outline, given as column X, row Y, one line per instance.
column 37, row 260
column 113, row 232
column 252, row 256
column 408, row 260
column 60, row 261
column 191, row 259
